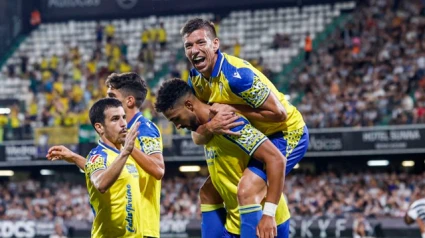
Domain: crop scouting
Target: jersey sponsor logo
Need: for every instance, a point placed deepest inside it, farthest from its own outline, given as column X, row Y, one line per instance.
column 210, row 154
column 129, row 210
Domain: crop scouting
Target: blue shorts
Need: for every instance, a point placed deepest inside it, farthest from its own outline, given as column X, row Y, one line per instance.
column 282, row 231
column 293, row 146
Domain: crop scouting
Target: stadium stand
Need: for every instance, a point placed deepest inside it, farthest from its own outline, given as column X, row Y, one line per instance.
column 328, row 194
column 370, row 72
column 59, row 70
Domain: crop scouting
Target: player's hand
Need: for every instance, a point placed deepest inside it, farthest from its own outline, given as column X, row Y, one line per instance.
column 222, row 122
column 267, row 227
column 60, row 152
column 130, row 138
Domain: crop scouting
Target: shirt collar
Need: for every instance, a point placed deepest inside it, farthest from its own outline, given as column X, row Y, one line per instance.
column 218, row 64
column 104, row 145
column 134, row 119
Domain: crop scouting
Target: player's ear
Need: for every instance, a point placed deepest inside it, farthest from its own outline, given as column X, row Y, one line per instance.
column 99, row 128
column 130, row 101
column 216, row 44
column 188, row 104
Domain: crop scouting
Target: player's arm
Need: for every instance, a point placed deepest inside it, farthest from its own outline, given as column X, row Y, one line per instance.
column 150, row 158
column 262, row 104
column 257, row 145
column 104, row 177
column 271, row 111
column 201, row 139
column 152, row 164
column 275, row 169
column 60, row 152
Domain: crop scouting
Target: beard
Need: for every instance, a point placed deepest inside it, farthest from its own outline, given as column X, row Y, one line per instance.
column 194, row 124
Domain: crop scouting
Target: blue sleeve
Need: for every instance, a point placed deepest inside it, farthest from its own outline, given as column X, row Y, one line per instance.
column 149, row 138
column 247, row 85
column 250, row 138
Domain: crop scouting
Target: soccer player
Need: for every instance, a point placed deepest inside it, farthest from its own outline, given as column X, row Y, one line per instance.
column 227, row 157
column 111, row 175
column 130, row 89
column 220, row 79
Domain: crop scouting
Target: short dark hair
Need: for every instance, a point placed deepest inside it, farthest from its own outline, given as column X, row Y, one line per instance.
column 97, row 111
column 129, row 84
column 196, row 24
column 169, row 93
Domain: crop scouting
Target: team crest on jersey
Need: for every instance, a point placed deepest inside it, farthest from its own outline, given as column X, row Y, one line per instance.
column 93, row 158
column 249, row 139
column 150, row 145
column 200, row 88
column 132, row 170
column 257, row 94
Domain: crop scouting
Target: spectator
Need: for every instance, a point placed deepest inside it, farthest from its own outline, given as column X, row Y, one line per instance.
column 369, row 73
column 35, row 18
column 308, row 47
column 161, row 36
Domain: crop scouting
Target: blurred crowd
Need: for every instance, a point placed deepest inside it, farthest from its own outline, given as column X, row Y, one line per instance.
column 30, row 199
column 65, row 86
column 333, row 195
column 329, row 194
column 370, row 72
column 179, row 198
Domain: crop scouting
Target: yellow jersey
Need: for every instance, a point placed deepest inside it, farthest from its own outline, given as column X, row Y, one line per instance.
column 149, row 141
column 227, row 158
column 146, row 36
column 110, row 30
column 236, row 81
column 117, row 212
column 161, row 35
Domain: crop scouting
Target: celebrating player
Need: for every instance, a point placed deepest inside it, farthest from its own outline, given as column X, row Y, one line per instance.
column 111, row 175
column 130, row 89
column 227, row 157
column 223, row 79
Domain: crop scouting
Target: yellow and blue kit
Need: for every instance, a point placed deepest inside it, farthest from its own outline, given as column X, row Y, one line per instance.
column 149, row 141
column 227, row 157
column 236, row 81
column 118, row 212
